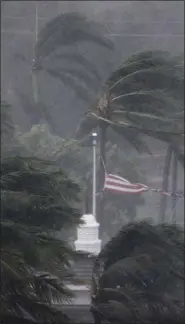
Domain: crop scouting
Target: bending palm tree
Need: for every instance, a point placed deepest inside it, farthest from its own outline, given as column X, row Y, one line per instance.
column 143, row 97
column 56, row 55
column 54, row 51
column 139, row 275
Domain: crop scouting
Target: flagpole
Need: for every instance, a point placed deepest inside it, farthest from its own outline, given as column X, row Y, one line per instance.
column 94, row 135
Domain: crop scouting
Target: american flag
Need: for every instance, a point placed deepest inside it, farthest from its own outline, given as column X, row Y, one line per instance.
column 118, row 184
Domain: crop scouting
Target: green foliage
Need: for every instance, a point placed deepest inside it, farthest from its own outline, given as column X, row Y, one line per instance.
column 76, row 160
column 55, row 52
column 67, row 153
column 58, row 54
column 67, row 29
column 152, row 70
column 139, row 274
column 35, row 109
column 144, row 96
column 37, row 199
column 37, row 193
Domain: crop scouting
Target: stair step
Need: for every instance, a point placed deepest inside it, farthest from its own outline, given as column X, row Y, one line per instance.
column 79, row 313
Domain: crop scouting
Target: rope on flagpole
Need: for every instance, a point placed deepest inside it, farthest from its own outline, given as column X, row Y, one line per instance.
column 169, row 194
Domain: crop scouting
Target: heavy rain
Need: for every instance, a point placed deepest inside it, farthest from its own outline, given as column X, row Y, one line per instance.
column 92, row 162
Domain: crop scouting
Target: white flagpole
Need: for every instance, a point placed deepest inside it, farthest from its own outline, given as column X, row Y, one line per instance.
column 94, row 135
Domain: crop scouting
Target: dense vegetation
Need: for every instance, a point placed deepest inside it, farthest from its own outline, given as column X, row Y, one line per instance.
column 37, row 199
column 139, row 275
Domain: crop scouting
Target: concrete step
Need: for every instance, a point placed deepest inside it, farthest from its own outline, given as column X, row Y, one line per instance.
column 78, row 313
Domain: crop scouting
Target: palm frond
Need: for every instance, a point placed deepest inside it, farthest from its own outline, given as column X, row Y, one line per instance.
column 140, row 274
column 81, row 61
column 51, row 289
column 37, row 248
column 134, row 133
column 162, row 73
column 34, row 263
column 84, row 77
column 171, row 104
column 26, row 289
column 72, row 82
column 144, row 97
column 136, row 232
column 68, row 29
column 48, row 191
column 150, row 122
column 143, row 60
column 133, row 137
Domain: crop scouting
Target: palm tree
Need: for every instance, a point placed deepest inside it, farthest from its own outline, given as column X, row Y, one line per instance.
column 37, row 199
column 144, row 96
column 67, row 29
column 57, row 55
column 139, row 275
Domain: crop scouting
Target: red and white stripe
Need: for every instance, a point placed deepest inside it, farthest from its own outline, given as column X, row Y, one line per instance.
column 119, row 184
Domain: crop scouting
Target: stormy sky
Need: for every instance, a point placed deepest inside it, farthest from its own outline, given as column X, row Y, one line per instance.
column 131, row 25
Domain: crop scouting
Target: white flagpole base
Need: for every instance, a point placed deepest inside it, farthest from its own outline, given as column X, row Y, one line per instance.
column 88, row 235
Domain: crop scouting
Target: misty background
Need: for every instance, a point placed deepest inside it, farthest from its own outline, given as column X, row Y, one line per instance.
column 132, row 25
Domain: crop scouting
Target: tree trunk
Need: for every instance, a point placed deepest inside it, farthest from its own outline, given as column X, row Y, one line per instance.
column 163, row 200
column 174, row 186
column 100, row 211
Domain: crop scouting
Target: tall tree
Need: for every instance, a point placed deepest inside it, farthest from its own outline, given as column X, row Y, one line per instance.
column 58, row 55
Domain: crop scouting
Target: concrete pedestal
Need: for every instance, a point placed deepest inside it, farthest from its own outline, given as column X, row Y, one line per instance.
column 87, row 241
